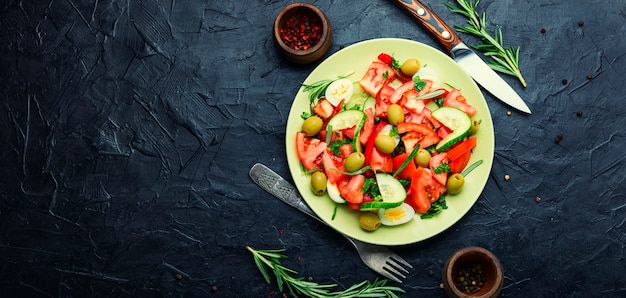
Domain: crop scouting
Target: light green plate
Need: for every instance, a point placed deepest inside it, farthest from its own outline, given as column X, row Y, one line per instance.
column 357, row 58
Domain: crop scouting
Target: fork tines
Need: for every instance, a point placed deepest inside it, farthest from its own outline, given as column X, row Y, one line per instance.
column 393, row 265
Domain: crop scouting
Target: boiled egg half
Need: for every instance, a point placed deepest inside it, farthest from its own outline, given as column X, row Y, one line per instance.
column 339, row 90
column 396, row 215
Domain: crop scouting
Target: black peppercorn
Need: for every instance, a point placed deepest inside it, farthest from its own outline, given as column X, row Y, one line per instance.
column 581, row 23
column 564, row 81
column 579, row 113
column 543, row 30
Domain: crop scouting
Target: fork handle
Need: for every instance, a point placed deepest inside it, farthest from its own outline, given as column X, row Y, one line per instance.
column 277, row 186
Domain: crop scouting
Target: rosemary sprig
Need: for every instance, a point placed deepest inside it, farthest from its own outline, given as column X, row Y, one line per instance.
column 502, row 60
column 268, row 262
column 317, row 89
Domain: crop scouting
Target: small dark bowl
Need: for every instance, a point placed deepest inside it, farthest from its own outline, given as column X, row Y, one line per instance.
column 315, row 51
column 492, row 269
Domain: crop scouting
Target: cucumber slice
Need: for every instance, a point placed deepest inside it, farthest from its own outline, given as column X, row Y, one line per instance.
column 347, row 119
column 392, row 192
column 456, row 120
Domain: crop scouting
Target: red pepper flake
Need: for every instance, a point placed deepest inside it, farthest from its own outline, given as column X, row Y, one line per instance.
column 385, row 58
column 282, row 231
column 301, row 31
column 299, row 259
column 537, row 199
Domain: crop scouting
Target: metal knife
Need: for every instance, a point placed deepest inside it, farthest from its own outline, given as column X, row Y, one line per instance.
column 462, row 54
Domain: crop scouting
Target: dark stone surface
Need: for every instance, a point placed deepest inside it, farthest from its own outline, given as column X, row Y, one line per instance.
column 129, row 127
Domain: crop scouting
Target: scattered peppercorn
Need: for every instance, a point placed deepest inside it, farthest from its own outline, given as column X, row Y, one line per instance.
column 431, row 273
column 508, row 113
column 470, row 278
column 213, row 288
column 284, row 295
column 564, row 81
column 507, row 177
column 589, row 76
column 301, row 31
column 558, row 138
column 178, row 276
column 579, row 113
column 543, row 30
column 581, row 23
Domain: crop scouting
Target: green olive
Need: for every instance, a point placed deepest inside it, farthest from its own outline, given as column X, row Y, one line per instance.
column 318, row 183
column 369, row 221
column 475, row 126
column 395, row 114
column 422, row 158
column 410, row 67
column 354, row 161
column 385, row 143
column 312, row 125
column 455, row 183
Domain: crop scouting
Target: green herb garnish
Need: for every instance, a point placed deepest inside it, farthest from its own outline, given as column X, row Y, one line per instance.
column 419, row 83
column 436, row 208
column 407, row 160
column 269, row 263
column 444, row 167
column 502, row 60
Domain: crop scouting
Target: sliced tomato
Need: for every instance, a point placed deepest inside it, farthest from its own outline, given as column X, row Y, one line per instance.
column 333, row 167
column 345, row 150
column 414, row 134
column 351, row 188
column 443, row 131
column 456, row 99
column 397, row 95
column 309, row 150
column 377, row 160
column 424, row 191
column 461, row 148
column 349, row 132
column 426, row 89
column 368, row 126
column 383, row 100
column 409, row 170
column 459, row 164
column 378, row 75
column 323, row 108
column 436, row 161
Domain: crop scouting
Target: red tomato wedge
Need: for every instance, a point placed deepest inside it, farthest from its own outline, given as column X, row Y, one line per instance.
column 409, row 170
column 324, row 109
column 383, row 100
column 378, row 75
column 424, row 191
column 414, row 134
column 368, row 126
column 333, row 166
column 436, row 161
column 396, row 96
column 309, row 149
column 377, row 160
column 456, row 99
column 351, row 188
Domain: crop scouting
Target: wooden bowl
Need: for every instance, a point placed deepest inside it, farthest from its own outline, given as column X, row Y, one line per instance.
column 302, row 33
column 466, row 259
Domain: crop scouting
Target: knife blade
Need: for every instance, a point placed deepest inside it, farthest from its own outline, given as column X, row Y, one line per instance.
column 467, row 60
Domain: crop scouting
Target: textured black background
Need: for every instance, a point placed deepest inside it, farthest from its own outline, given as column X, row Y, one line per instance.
column 128, row 129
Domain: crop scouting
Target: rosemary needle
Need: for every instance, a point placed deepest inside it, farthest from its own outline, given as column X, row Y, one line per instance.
column 268, row 262
column 502, row 60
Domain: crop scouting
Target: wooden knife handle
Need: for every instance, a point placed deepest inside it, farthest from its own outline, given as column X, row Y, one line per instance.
column 431, row 22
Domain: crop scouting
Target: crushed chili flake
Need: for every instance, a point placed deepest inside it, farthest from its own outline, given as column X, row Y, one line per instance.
column 301, row 31
column 282, row 231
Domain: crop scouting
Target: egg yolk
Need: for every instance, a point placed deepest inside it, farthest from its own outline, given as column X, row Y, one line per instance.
column 341, row 91
column 395, row 214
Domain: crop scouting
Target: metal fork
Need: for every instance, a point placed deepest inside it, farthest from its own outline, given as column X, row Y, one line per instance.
column 379, row 258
